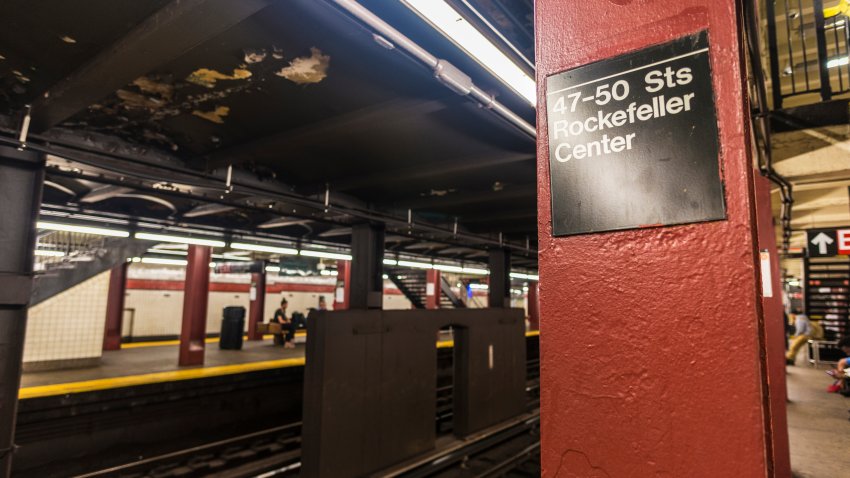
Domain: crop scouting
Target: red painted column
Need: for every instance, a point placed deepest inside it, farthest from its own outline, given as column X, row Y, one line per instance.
column 343, row 285
column 533, row 306
column 774, row 327
column 256, row 308
column 652, row 361
column 195, row 297
column 432, row 289
column 115, row 307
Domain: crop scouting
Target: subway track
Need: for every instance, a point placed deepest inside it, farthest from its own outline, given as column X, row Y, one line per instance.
column 512, row 450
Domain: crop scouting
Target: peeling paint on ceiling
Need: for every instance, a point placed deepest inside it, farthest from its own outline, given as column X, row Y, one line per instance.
column 20, row 76
column 208, row 78
column 150, row 85
column 136, row 100
column 308, row 69
column 216, row 116
column 254, row 55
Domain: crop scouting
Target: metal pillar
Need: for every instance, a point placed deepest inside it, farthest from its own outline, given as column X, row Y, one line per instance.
column 432, row 289
column 342, row 291
column 500, row 280
column 533, row 306
column 21, row 181
column 258, row 305
column 367, row 267
column 115, row 307
column 195, row 297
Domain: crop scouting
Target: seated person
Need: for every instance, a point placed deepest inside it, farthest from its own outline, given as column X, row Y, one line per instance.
column 842, row 365
column 288, row 331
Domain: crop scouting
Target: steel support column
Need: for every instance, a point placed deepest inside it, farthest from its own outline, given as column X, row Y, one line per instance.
column 533, row 306
column 500, row 280
column 195, row 297
column 115, row 307
column 342, row 290
column 367, row 265
column 658, row 292
column 432, row 289
column 258, row 304
column 21, row 181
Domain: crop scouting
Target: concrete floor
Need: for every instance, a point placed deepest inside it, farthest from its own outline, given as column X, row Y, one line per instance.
column 143, row 360
column 818, row 425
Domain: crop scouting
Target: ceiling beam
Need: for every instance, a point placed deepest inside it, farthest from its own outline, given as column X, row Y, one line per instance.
column 270, row 147
column 283, row 222
column 103, row 193
column 473, row 197
column 208, row 209
column 431, row 170
column 175, row 29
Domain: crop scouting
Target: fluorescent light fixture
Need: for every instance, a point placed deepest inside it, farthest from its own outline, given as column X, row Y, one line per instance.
column 415, row 265
column 836, row 62
column 474, row 271
column 517, row 275
column 178, row 239
column 479, row 286
column 163, row 262
column 272, row 269
column 327, row 272
column 169, row 252
column 263, row 248
column 385, row 277
column 390, row 262
column 231, row 257
column 445, row 268
column 448, row 21
column 43, row 253
column 136, row 259
column 326, row 255
column 212, row 265
column 97, row 231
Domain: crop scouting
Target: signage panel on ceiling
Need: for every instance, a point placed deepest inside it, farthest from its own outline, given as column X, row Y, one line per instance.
column 633, row 141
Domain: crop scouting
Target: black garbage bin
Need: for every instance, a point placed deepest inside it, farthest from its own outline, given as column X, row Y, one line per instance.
column 232, row 327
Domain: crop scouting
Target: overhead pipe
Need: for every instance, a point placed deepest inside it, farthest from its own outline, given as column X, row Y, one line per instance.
column 762, row 114
column 444, row 72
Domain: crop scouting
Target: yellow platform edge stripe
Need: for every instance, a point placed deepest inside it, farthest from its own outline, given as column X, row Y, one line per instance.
column 212, row 340
column 175, row 375
column 151, row 378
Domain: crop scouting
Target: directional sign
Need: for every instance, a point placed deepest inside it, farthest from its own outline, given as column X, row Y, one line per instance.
column 828, row 242
column 823, row 241
column 633, row 141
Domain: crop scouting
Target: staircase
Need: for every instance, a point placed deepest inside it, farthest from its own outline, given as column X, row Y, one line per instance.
column 412, row 283
column 85, row 257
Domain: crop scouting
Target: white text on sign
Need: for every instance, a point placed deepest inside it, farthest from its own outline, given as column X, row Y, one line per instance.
column 660, row 106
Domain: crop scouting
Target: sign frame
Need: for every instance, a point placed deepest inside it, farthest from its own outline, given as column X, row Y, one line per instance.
column 688, row 188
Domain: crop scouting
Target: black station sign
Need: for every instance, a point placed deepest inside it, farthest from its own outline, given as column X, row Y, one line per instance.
column 633, row 141
column 241, row 267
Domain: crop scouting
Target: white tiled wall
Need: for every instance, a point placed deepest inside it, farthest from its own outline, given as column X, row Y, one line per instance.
column 160, row 312
column 69, row 325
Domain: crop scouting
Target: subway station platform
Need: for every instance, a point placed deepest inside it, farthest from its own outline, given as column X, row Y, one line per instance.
column 157, row 362
column 818, row 425
column 145, row 363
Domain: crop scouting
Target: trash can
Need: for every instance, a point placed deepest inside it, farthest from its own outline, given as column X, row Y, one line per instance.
column 232, row 328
